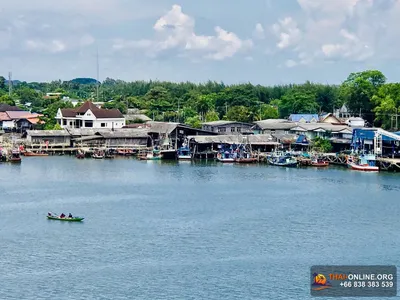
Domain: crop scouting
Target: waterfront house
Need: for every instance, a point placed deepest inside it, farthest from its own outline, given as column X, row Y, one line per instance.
column 48, row 138
column 208, row 144
column 135, row 116
column 330, row 118
column 88, row 115
column 273, row 126
column 114, row 139
column 19, row 121
column 227, row 127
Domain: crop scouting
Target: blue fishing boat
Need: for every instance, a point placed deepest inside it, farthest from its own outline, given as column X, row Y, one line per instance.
column 184, row 152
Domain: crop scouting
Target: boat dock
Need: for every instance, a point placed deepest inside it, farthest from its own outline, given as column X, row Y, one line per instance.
column 389, row 164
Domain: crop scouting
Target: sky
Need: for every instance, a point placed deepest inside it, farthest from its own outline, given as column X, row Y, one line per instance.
column 259, row 41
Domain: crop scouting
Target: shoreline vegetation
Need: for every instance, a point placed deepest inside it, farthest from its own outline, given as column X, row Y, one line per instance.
column 366, row 94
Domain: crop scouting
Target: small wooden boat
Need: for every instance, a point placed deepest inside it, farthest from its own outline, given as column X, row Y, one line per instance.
column 29, row 153
column 320, row 163
column 97, row 156
column 66, row 219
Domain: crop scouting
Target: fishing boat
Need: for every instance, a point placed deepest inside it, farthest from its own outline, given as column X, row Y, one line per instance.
column 51, row 216
column 184, row 153
column 15, row 157
column 98, row 154
column 225, row 157
column 283, row 161
column 154, row 155
column 365, row 162
column 319, row 162
column 80, row 154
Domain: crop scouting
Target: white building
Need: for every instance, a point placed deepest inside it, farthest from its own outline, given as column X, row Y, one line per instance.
column 90, row 116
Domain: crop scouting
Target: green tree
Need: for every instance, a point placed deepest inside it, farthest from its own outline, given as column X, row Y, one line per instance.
column 359, row 88
column 2, row 83
column 7, row 100
column 298, row 102
column 211, row 116
column 387, row 104
column 239, row 113
column 321, row 145
column 194, row 122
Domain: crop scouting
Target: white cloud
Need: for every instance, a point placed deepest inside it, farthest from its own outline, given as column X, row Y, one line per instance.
column 339, row 29
column 290, row 63
column 259, row 32
column 176, row 30
column 287, row 32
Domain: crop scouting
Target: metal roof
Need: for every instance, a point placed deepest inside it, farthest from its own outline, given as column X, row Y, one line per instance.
column 259, row 139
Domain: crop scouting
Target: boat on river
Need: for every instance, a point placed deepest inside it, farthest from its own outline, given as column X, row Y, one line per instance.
column 319, row 162
column 51, row 216
column 184, row 153
column 365, row 163
column 283, row 161
column 30, row 153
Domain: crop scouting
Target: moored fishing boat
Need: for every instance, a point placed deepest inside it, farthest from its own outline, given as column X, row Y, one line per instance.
column 30, row 153
column 246, row 160
column 319, row 162
column 80, row 154
column 184, row 153
column 283, row 161
column 15, row 157
column 365, row 163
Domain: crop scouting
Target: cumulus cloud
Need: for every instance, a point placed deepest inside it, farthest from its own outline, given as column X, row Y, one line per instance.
column 176, row 30
column 331, row 30
column 259, row 32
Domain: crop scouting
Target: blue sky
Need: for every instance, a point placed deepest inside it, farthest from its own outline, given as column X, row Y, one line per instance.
column 266, row 42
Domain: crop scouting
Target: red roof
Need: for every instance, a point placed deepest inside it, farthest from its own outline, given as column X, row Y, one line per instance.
column 4, row 116
column 98, row 112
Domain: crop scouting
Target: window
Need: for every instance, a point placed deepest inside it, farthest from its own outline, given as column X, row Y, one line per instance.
column 88, row 124
column 221, row 129
column 232, row 129
column 64, row 122
column 103, row 124
column 238, row 129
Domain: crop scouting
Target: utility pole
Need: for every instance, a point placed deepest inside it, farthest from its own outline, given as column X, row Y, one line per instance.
column 10, row 83
column 97, row 83
column 226, row 108
column 179, row 102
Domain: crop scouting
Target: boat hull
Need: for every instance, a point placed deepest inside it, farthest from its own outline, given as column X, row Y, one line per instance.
column 246, row 160
column 77, row 219
column 184, row 157
column 15, row 160
column 226, row 160
column 320, row 164
column 35, row 154
column 363, row 168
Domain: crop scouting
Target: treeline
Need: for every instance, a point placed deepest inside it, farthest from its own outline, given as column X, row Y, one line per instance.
column 366, row 94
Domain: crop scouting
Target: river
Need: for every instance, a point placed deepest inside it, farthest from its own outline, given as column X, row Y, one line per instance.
column 183, row 230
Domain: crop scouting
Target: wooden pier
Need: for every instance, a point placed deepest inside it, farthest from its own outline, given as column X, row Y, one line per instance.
column 334, row 159
column 388, row 164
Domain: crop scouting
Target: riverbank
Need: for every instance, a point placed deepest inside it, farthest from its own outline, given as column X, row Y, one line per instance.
column 187, row 230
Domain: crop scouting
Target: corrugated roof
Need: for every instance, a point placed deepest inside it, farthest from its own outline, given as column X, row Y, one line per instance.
column 223, row 122
column 162, row 127
column 306, row 117
column 47, row 133
column 5, row 107
column 125, row 133
column 98, row 112
column 259, row 139
column 4, row 117
column 275, row 124
column 19, row 114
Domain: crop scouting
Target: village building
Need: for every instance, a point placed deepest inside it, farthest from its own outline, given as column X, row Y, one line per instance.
column 227, row 127
column 134, row 115
column 209, row 145
column 19, row 121
column 48, row 138
column 88, row 115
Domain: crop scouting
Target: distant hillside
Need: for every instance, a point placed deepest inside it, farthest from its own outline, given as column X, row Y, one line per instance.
column 14, row 82
column 84, row 80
